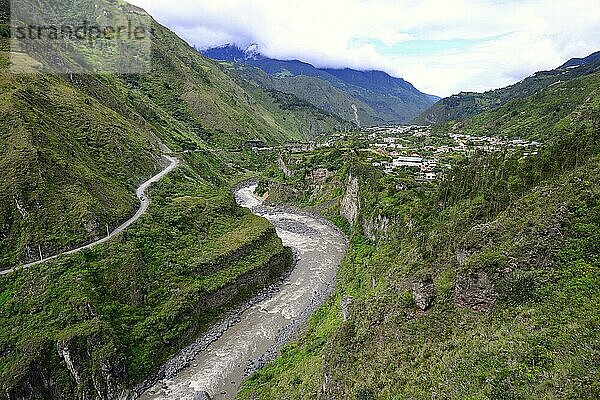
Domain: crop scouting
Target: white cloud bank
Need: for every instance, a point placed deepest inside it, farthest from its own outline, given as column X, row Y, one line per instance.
column 441, row 46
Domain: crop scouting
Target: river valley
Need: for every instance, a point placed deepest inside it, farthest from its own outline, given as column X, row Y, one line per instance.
column 265, row 326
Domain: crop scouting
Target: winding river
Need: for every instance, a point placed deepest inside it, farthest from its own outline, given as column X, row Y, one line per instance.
column 222, row 366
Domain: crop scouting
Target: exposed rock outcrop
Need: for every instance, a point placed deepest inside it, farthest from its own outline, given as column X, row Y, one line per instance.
column 345, row 306
column 202, row 396
column 105, row 381
column 461, row 256
column 21, row 208
column 423, row 293
column 65, row 353
column 283, row 167
column 320, row 175
column 375, row 227
column 350, row 205
column 476, row 291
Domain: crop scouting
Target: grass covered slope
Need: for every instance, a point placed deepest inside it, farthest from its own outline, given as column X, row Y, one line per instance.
column 314, row 90
column 75, row 147
column 483, row 287
column 530, row 117
column 378, row 97
column 73, row 150
column 108, row 317
column 70, row 167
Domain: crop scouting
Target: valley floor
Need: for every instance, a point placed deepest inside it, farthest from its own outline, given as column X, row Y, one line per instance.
column 266, row 326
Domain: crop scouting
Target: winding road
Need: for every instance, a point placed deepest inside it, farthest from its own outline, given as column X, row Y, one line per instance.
column 268, row 324
column 144, row 204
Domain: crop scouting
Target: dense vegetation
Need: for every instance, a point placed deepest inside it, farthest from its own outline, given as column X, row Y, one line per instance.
column 530, row 117
column 123, row 308
column 70, row 167
column 73, row 148
column 492, row 274
column 73, row 145
column 484, row 286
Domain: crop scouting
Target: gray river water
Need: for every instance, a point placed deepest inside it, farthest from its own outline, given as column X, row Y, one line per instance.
column 220, row 369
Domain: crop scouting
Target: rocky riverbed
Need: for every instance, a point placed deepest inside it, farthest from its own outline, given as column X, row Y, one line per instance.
column 246, row 339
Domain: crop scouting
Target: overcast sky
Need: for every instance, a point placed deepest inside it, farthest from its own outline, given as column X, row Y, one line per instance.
column 441, row 46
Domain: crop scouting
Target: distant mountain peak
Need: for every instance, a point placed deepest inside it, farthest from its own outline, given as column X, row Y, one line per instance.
column 253, row 52
column 234, row 53
column 578, row 62
column 377, row 97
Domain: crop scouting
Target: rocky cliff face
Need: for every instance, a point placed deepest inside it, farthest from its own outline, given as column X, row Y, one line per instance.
column 283, row 167
column 316, row 184
column 83, row 367
column 350, row 205
column 376, row 227
column 475, row 290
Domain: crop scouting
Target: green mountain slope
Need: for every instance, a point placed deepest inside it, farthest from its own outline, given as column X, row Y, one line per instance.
column 468, row 104
column 73, row 150
column 379, row 98
column 74, row 146
column 531, row 117
column 318, row 92
column 483, row 286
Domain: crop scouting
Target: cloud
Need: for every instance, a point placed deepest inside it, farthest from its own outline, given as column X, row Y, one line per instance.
column 441, row 46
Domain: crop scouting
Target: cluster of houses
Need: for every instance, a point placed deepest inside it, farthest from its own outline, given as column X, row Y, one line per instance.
column 258, row 146
column 401, row 145
column 492, row 143
column 424, row 168
column 412, row 148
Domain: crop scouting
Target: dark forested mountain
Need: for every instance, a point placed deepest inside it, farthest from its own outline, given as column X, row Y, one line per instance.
column 365, row 97
column 468, row 104
column 577, row 62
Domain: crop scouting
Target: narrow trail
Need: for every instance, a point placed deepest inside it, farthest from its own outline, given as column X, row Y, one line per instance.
column 144, row 204
column 256, row 336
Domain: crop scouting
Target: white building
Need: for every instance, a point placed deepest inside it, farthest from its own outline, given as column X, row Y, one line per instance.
column 407, row 162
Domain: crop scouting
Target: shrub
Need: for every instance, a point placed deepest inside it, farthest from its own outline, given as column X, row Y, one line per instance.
column 365, row 394
column 4, row 31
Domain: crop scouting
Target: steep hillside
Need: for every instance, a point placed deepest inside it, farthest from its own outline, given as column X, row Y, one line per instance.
column 468, row 104
column 74, row 145
column 378, row 97
column 73, row 148
column 531, row 117
column 577, row 62
column 483, row 286
column 316, row 91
